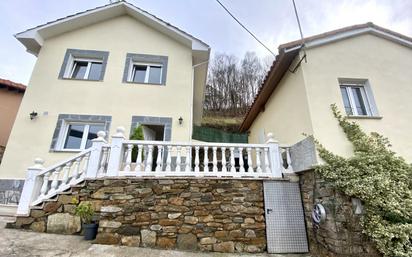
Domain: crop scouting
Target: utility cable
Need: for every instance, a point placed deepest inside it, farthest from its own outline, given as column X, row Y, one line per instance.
column 244, row 27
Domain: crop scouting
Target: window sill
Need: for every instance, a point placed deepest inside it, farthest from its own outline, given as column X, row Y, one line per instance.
column 94, row 80
column 364, row 117
column 65, row 150
column 140, row 83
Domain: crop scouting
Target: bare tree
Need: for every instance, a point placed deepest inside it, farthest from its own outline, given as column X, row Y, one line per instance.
column 232, row 84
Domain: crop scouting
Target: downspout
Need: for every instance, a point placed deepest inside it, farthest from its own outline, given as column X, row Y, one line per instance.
column 193, row 95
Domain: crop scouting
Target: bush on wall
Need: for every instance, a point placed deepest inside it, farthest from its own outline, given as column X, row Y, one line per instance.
column 381, row 179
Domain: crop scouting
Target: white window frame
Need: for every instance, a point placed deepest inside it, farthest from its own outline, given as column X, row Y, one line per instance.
column 72, row 65
column 65, row 130
column 148, row 66
column 349, row 90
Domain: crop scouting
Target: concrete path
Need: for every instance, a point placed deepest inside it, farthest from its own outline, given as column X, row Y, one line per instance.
column 30, row 244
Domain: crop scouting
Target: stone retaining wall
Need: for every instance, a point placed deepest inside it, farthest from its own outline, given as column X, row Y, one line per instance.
column 189, row 214
column 341, row 234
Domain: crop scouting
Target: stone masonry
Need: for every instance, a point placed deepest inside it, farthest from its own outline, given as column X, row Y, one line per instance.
column 341, row 234
column 189, row 214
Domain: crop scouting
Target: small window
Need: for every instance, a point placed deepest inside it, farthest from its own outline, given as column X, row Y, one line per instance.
column 355, row 100
column 84, row 65
column 78, row 136
column 146, row 73
column 86, row 69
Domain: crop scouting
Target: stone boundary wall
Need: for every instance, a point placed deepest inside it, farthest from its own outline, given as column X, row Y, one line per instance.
column 341, row 234
column 221, row 215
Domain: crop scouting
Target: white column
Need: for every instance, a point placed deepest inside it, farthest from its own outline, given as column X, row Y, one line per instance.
column 188, row 159
column 31, row 187
column 224, row 163
column 113, row 165
column 274, row 156
column 178, row 158
column 197, row 162
column 214, row 161
column 128, row 157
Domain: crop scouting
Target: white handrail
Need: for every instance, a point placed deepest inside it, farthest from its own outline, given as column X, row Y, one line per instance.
column 144, row 142
column 62, row 163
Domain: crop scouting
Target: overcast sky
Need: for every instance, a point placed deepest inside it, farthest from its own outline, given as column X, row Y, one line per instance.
column 273, row 21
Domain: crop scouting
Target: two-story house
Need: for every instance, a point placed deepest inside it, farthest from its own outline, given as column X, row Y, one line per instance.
column 111, row 66
column 363, row 69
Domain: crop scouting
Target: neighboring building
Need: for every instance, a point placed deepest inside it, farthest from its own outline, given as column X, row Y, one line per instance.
column 11, row 94
column 364, row 69
column 111, row 66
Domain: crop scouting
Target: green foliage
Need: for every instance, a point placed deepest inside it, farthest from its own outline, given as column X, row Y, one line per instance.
column 381, row 179
column 84, row 210
column 136, row 135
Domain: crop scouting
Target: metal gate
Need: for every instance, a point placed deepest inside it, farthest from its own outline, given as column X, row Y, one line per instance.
column 285, row 221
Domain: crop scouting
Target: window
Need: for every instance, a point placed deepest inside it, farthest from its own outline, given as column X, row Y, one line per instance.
column 355, row 100
column 146, row 73
column 86, row 69
column 79, row 136
column 84, row 65
column 145, row 69
column 75, row 132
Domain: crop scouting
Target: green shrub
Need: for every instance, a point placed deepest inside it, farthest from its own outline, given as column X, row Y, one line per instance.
column 136, row 135
column 84, row 210
column 381, row 179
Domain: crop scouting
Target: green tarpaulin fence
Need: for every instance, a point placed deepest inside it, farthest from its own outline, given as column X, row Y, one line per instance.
column 216, row 135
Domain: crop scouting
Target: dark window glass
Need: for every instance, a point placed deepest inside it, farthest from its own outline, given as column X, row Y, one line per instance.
column 359, row 101
column 346, row 101
column 139, row 73
column 95, row 71
column 154, row 75
column 79, row 70
column 93, row 129
column 74, row 137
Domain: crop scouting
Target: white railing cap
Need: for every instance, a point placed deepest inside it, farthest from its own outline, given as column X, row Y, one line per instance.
column 270, row 138
column 120, row 132
column 38, row 164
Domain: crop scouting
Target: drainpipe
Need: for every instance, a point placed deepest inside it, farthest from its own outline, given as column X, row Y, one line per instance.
column 193, row 94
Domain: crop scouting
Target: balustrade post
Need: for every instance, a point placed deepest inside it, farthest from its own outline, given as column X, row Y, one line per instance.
column 95, row 154
column 31, row 186
column 274, row 156
column 113, row 165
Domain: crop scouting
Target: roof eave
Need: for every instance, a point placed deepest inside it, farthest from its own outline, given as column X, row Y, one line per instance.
column 282, row 63
column 33, row 38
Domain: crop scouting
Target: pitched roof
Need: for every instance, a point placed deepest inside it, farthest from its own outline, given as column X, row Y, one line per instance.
column 10, row 85
column 288, row 52
column 33, row 38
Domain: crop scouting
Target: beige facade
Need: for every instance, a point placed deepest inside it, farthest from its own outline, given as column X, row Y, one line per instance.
column 51, row 96
column 9, row 105
column 286, row 113
column 304, row 105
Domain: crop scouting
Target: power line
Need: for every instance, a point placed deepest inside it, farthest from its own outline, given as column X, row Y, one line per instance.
column 244, row 27
column 297, row 19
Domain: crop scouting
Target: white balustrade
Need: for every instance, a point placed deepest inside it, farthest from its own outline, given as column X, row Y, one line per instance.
column 154, row 159
column 43, row 183
column 175, row 159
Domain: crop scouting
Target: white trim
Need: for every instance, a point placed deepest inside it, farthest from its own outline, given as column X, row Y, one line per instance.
column 33, row 38
column 356, row 32
column 63, row 135
column 132, row 71
column 366, row 98
column 71, row 65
